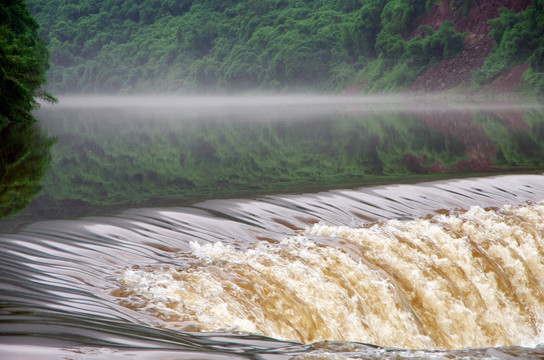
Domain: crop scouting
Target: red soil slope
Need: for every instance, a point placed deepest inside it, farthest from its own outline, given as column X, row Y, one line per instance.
column 457, row 71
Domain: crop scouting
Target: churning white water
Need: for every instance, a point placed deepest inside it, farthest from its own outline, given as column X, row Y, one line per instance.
column 461, row 279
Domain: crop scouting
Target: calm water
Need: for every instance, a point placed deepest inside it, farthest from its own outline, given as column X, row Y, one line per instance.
column 286, row 228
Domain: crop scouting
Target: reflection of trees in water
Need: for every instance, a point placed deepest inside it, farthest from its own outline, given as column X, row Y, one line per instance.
column 24, row 158
column 112, row 158
column 518, row 144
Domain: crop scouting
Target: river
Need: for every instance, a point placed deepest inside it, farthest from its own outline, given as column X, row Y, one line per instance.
column 278, row 228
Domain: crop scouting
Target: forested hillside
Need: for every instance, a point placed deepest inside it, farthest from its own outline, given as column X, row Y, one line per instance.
column 226, row 45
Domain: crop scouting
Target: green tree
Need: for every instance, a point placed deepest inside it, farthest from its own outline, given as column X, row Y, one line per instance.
column 23, row 64
column 24, row 151
column 519, row 37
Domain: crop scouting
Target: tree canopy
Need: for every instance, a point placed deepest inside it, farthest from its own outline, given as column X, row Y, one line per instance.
column 224, row 45
column 23, row 63
column 519, row 37
column 218, row 45
column 24, row 149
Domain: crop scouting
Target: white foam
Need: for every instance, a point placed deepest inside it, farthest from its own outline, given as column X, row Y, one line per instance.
column 468, row 279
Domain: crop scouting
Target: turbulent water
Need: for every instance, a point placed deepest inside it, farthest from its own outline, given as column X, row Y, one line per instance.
column 455, row 266
column 450, row 281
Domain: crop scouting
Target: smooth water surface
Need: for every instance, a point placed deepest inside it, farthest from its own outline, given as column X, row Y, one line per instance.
column 114, row 153
column 167, row 263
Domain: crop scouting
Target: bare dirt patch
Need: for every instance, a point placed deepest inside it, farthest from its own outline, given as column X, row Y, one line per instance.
column 457, row 71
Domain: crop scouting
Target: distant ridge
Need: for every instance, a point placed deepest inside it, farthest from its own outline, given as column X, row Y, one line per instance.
column 217, row 46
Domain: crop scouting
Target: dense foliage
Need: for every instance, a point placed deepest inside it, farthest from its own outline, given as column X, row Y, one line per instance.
column 519, row 37
column 23, row 63
column 165, row 45
column 24, row 150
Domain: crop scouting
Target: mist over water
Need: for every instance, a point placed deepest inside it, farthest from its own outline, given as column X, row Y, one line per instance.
column 177, row 150
column 276, row 105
